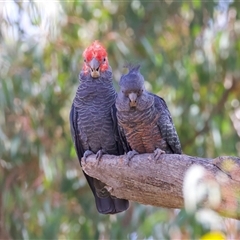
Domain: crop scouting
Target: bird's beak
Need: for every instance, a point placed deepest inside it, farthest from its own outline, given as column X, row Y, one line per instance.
column 94, row 66
column 132, row 99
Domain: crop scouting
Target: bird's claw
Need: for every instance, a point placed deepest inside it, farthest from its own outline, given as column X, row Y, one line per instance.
column 130, row 155
column 99, row 155
column 157, row 153
column 85, row 155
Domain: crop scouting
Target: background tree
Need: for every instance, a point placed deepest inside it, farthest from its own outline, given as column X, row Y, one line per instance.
column 189, row 52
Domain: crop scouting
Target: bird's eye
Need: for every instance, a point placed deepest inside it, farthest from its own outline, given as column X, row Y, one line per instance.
column 104, row 60
column 85, row 60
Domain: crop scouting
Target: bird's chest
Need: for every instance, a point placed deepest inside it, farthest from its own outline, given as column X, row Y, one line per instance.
column 137, row 120
column 96, row 128
column 95, row 99
column 141, row 130
column 93, row 117
column 93, row 104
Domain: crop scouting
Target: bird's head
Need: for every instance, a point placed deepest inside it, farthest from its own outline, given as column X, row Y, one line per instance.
column 95, row 60
column 132, row 93
column 132, row 85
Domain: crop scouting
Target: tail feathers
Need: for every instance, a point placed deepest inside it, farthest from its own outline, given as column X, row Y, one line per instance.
column 111, row 206
column 108, row 204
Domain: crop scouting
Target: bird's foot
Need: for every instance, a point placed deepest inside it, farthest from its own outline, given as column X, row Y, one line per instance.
column 86, row 154
column 101, row 189
column 130, row 155
column 157, row 153
column 99, row 155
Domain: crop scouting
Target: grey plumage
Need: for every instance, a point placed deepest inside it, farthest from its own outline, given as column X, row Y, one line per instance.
column 144, row 119
column 94, row 130
column 94, row 100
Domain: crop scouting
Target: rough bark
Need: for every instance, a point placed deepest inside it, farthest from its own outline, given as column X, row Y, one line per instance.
column 160, row 183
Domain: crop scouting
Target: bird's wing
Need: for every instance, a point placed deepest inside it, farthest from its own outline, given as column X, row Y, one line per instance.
column 75, row 134
column 118, row 133
column 166, row 126
column 78, row 145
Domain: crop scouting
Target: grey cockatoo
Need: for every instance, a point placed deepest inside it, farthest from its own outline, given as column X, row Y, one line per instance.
column 144, row 119
column 93, row 121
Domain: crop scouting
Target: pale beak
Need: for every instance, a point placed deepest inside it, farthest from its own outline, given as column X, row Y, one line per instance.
column 132, row 99
column 94, row 68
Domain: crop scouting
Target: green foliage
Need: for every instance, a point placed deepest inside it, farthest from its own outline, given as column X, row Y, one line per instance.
column 186, row 57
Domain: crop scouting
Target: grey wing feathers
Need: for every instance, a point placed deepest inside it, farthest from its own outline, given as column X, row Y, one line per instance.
column 166, row 126
column 120, row 137
column 124, row 141
column 121, row 142
column 74, row 133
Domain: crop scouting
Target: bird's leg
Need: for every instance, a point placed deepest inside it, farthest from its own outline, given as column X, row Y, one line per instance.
column 99, row 155
column 130, row 155
column 86, row 154
column 157, row 153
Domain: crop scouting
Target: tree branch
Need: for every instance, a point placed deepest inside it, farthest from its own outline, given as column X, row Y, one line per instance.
column 160, row 183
